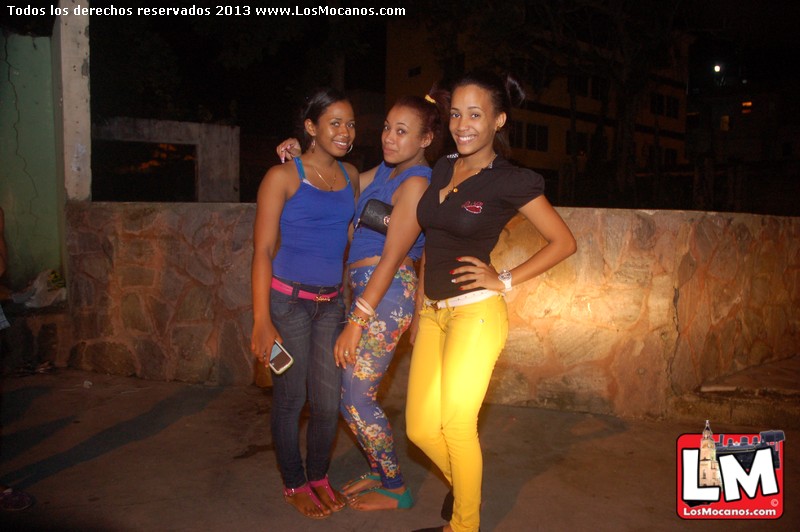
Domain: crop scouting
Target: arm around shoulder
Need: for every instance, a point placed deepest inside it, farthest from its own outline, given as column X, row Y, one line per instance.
column 365, row 178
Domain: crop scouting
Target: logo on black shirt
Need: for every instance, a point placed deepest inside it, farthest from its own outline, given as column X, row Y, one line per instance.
column 473, row 207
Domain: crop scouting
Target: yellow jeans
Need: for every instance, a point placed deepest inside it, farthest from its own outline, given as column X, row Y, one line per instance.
column 453, row 358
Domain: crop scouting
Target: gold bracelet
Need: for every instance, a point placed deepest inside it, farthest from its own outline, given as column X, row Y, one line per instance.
column 358, row 320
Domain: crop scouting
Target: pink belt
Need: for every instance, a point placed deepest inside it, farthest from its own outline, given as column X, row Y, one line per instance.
column 288, row 289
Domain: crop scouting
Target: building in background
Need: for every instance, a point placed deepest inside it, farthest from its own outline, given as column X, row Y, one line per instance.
column 566, row 128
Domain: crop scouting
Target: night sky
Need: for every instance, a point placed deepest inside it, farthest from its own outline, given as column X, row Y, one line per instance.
column 252, row 71
column 759, row 39
column 246, row 71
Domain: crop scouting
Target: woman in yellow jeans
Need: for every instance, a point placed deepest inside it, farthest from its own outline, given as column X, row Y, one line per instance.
column 463, row 319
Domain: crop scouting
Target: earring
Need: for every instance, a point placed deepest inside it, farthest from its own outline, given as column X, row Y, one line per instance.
column 313, row 144
column 350, row 149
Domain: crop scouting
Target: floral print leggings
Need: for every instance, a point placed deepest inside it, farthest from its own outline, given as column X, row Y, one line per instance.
column 360, row 381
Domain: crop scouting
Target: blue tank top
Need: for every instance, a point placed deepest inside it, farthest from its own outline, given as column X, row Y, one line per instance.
column 313, row 227
column 369, row 243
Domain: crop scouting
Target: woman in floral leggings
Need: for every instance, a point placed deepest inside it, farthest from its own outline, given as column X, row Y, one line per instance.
column 384, row 283
column 360, row 381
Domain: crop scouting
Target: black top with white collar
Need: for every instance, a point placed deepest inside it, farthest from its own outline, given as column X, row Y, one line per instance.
column 469, row 220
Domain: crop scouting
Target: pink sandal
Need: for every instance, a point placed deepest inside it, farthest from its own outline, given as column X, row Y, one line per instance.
column 326, row 485
column 288, row 493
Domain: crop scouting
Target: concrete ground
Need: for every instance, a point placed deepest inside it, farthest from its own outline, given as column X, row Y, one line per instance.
column 105, row 453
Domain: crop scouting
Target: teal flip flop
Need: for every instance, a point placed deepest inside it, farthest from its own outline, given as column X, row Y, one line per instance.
column 404, row 500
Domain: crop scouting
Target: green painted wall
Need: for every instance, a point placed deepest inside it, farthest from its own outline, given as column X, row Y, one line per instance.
column 28, row 182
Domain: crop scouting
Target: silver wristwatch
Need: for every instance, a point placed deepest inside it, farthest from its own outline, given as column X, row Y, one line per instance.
column 505, row 278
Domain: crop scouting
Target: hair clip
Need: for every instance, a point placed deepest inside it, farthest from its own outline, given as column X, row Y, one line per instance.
column 430, row 99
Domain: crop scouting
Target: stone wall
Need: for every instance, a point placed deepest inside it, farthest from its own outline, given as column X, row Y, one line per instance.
column 652, row 305
column 161, row 291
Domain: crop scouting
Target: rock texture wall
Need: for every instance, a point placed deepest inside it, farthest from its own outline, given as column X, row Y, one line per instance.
column 651, row 306
column 161, row 291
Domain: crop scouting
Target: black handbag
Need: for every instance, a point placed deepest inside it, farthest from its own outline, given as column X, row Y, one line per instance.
column 376, row 216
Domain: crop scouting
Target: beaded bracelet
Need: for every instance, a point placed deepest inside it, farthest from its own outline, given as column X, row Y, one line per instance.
column 365, row 307
column 358, row 320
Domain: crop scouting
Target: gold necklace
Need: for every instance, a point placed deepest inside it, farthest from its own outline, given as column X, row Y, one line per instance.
column 452, row 183
column 330, row 185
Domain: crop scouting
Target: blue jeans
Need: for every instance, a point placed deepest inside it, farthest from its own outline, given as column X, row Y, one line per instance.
column 309, row 330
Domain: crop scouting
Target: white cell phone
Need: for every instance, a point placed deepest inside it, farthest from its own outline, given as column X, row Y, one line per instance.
column 280, row 360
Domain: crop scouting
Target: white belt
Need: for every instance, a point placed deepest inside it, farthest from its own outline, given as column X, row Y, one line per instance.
column 466, row 299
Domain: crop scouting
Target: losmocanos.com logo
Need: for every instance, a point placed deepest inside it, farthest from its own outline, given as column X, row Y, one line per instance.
column 731, row 476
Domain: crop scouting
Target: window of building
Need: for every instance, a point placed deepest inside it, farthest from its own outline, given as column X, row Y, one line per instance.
column 670, row 157
column 725, row 123
column 536, row 137
column 657, row 103
column 600, row 146
column 662, row 105
column 692, row 120
column 747, row 107
column 653, row 155
column 599, row 88
column 673, row 107
column 579, row 84
column 578, row 145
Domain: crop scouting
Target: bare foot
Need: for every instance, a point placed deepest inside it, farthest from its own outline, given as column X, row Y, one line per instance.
column 306, row 505
column 365, row 482
column 382, row 499
column 338, row 502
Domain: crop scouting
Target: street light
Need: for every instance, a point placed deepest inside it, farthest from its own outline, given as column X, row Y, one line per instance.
column 719, row 74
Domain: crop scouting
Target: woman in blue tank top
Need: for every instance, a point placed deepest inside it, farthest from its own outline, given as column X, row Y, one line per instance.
column 384, row 282
column 306, row 206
